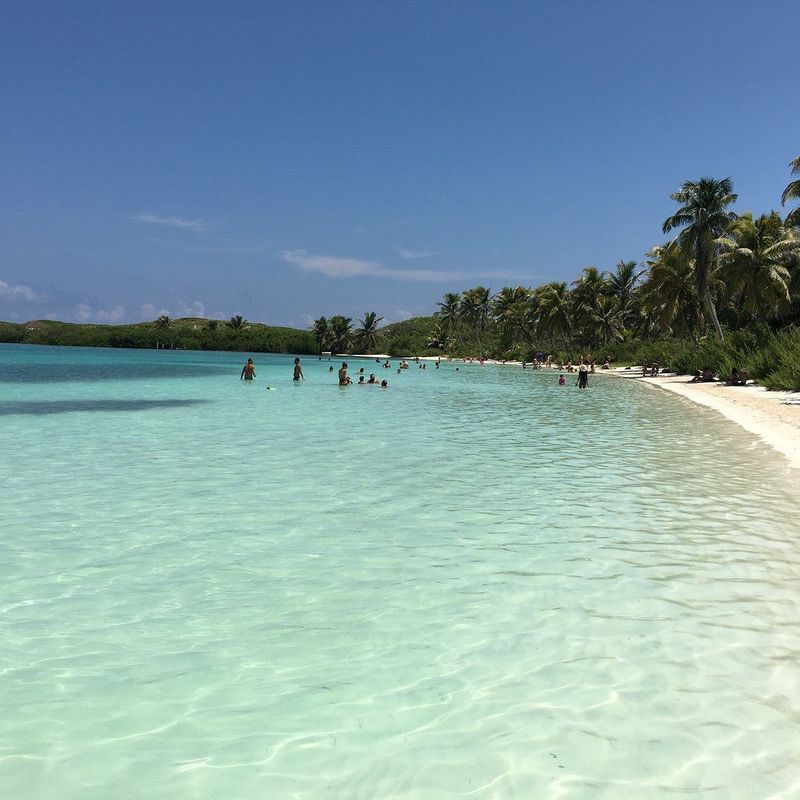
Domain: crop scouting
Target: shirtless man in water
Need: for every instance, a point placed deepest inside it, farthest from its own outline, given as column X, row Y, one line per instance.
column 298, row 371
column 248, row 371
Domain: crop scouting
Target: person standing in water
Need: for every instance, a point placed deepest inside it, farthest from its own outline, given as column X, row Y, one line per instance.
column 248, row 371
column 298, row 371
column 583, row 376
column 343, row 379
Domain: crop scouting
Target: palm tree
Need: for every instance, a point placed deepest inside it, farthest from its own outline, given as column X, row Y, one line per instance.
column 669, row 294
column 704, row 217
column 237, row 322
column 164, row 321
column 511, row 310
column 474, row 309
column 341, row 334
column 368, row 333
column 589, row 288
column 555, row 310
column 755, row 260
column 792, row 192
column 607, row 317
column 622, row 284
column 321, row 330
column 449, row 314
column 438, row 339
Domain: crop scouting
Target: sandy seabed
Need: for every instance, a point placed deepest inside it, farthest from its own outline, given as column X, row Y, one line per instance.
column 772, row 416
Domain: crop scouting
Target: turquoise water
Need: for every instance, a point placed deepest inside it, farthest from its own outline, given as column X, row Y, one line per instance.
column 472, row 584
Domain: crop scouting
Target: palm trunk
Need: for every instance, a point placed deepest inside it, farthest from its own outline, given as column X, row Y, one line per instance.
column 709, row 304
column 703, row 292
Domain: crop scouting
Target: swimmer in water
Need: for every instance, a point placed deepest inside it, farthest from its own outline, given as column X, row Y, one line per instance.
column 248, row 371
column 298, row 371
column 561, row 380
column 343, row 379
column 384, row 384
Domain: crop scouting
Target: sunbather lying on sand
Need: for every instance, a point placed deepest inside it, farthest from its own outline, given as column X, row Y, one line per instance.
column 706, row 376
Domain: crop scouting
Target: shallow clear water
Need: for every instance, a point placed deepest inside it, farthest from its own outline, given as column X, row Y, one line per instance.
column 473, row 584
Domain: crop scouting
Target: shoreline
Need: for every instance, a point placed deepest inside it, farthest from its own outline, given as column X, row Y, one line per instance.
column 751, row 407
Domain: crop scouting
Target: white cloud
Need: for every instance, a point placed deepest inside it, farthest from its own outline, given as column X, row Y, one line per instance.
column 413, row 254
column 194, row 309
column 18, row 291
column 335, row 267
column 85, row 313
column 149, row 311
column 115, row 314
column 171, row 222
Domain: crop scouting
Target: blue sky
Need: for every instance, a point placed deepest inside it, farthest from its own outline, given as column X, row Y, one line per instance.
column 287, row 160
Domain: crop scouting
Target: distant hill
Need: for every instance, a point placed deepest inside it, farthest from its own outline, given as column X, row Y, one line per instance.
column 409, row 337
column 189, row 333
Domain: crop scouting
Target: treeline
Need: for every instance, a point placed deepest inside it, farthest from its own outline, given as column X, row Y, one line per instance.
column 724, row 292
column 341, row 335
column 236, row 334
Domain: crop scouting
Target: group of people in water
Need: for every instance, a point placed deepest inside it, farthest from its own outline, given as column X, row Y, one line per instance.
column 584, row 369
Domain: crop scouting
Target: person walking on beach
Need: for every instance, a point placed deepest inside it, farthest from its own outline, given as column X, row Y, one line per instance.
column 343, row 379
column 248, row 371
column 298, row 371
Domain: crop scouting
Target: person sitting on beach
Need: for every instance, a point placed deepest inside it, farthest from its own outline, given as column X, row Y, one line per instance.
column 561, row 380
column 372, row 378
column 248, row 371
column 298, row 371
column 738, row 377
column 343, row 379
